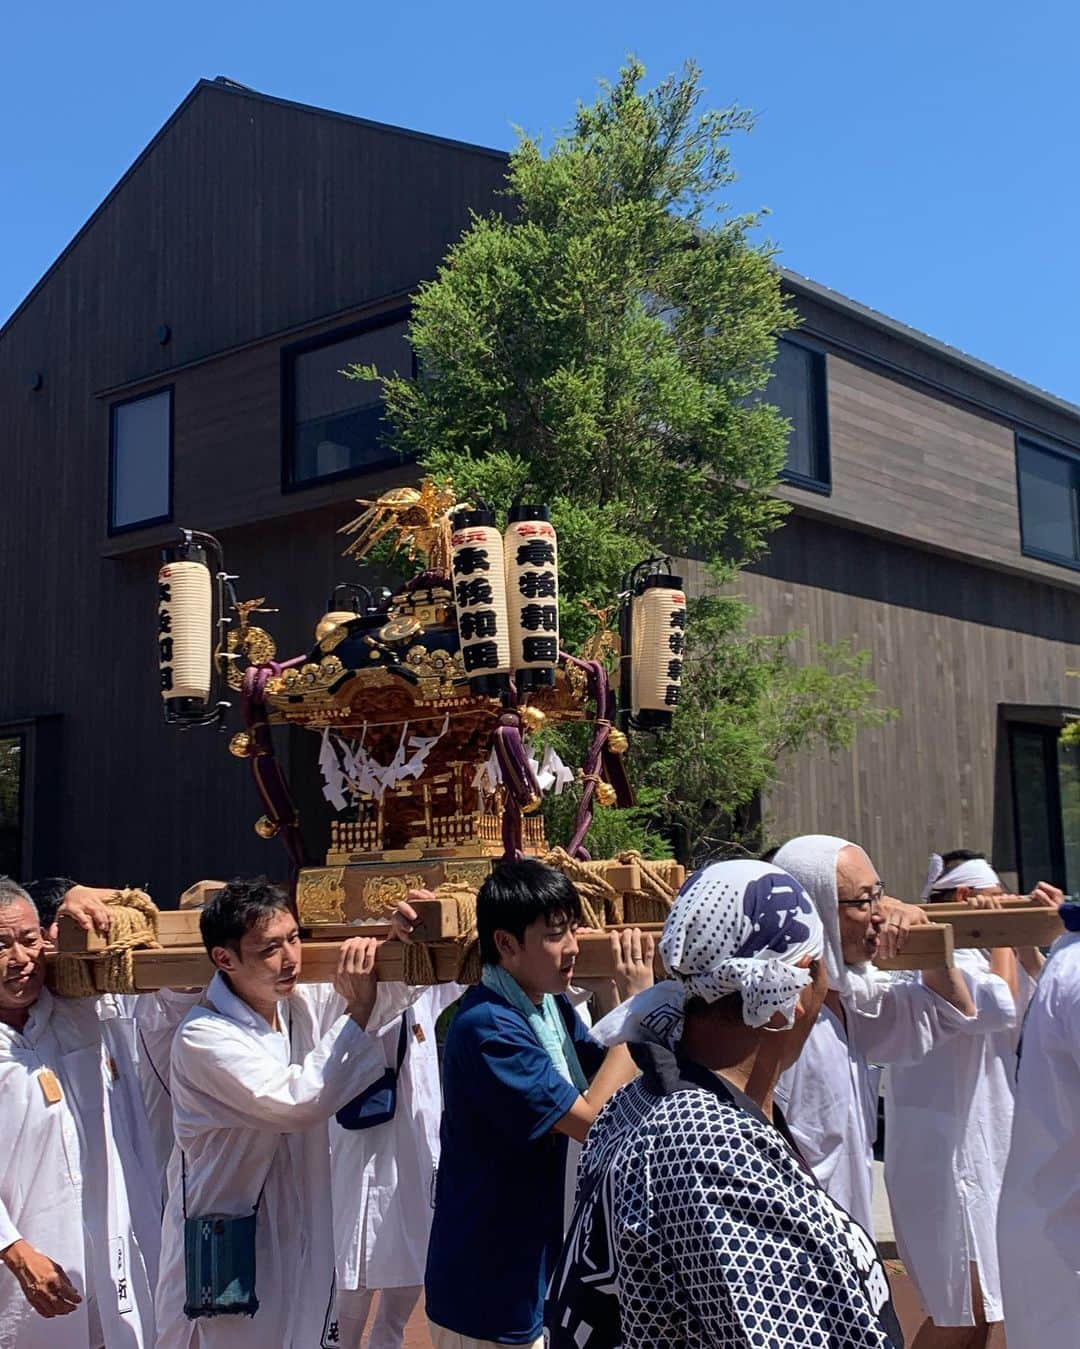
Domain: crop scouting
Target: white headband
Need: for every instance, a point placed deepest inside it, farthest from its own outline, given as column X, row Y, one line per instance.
column 976, row 874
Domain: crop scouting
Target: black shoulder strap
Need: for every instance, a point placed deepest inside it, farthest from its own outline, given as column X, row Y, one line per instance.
column 403, row 1039
column 204, row 1002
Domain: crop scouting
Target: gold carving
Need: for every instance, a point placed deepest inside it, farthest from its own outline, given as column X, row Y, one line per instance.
column 320, row 895
column 400, row 628
column 254, row 645
column 468, row 873
column 240, row 745
column 383, row 893
column 418, row 516
column 265, row 827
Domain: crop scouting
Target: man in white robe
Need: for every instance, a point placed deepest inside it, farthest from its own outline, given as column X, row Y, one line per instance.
column 79, row 1222
column 829, row 1097
column 384, row 1183
column 948, row 1121
column 1039, row 1213
column 258, row 1068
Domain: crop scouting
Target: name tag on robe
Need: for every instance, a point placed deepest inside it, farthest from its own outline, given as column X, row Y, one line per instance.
column 50, row 1088
column 118, row 1259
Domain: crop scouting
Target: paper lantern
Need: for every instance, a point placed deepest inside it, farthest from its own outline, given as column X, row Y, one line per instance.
column 532, row 596
column 658, row 634
column 478, row 571
column 185, row 629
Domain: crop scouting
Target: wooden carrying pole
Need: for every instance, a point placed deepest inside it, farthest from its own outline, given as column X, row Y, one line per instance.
column 182, row 963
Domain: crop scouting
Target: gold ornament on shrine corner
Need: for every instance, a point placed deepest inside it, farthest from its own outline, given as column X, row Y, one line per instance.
column 617, row 741
column 254, row 645
column 419, row 517
column 605, row 794
column 265, row 827
column 241, row 745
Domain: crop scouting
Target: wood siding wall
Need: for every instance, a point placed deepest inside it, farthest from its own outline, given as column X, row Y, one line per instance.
column 247, row 218
column 951, row 645
column 923, row 468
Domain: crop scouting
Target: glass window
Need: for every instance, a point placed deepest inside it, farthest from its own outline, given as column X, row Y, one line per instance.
column 337, row 425
column 140, row 472
column 1049, row 502
column 798, row 389
column 11, row 813
column 1046, row 803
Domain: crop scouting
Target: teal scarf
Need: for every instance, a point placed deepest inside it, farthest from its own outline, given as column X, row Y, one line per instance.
column 545, row 1022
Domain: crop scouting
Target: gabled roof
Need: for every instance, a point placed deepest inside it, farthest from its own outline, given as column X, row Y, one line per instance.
column 224, row 87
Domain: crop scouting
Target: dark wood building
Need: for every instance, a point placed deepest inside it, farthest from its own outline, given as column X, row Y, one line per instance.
column 178, row 366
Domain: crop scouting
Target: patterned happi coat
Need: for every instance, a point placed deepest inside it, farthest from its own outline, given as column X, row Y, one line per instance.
column 698, row 1225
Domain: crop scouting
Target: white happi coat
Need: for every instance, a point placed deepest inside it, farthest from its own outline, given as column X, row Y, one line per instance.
column 251, row 1106
column 76, row 1176
column 384, row 1178
column 1039, row 1213
column 829, row 1095
column 150, row 1020
column 948, row 1121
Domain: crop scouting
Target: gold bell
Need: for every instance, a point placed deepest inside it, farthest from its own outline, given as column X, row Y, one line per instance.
column 532, row 718
column 265, row 827
column 605, row 794
column 617, row 741
column 240, row 745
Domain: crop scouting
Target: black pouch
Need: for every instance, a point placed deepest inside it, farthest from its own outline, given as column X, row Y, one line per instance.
column 376, row 1104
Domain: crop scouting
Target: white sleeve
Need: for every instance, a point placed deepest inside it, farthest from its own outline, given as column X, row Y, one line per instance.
column 222, row 1078
column 995, row 1009
column 390, row 1001
column 9, row 1233
column 910, row 1022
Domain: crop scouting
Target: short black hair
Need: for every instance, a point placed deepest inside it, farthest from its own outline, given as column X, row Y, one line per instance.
column 517, row 894
column 237, row 908
column 48, row 894
column 770, row 853
column 958, row 855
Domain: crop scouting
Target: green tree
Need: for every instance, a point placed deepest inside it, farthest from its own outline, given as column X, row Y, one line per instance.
column 602, row 344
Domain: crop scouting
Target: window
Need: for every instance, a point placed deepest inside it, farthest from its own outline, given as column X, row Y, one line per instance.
column 1046, row 805
column 11, row 804
column 140, row 461
column 798, row 389
column 335, row 426
column 1049, row 484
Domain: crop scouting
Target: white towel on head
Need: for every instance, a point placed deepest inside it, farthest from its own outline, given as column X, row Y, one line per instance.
column 976, row 874
column 811, row 859
column 735, row 927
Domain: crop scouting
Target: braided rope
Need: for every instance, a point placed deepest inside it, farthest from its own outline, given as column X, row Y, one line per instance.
column 654, row 900
column 595, row 890
column 133, row 928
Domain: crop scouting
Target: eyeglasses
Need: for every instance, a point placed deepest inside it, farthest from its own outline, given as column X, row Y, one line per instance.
column 866, row 901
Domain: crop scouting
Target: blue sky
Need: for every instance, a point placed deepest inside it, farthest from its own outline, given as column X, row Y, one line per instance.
column 920, row 158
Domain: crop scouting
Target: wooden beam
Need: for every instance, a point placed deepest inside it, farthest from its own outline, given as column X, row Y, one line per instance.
column 1007, row 901
column 1027, row 926
column 928, row 946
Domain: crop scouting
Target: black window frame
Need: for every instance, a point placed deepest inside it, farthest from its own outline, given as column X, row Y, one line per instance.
column 1069, row 455
column 289, row 483
column 113, row 528
column 820, row 432
column 20, row 732
column 1049, row 731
